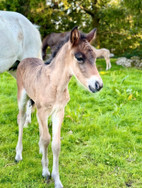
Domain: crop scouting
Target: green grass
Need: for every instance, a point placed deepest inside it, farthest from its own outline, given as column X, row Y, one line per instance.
column 101, row 135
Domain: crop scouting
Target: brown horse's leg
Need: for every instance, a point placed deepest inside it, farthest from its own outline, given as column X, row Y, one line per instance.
column 57, row 119
column 44, row 140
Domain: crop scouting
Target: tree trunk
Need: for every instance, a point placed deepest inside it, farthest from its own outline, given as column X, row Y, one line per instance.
column 95, row 24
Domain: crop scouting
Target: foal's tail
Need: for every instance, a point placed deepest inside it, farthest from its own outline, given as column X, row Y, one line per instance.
column 29, row 110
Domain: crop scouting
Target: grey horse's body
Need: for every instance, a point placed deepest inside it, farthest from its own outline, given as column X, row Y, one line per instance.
column 19, row 39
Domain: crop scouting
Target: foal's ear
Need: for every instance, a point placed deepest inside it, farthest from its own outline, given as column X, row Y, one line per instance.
column 92, row 35
column 74, row 36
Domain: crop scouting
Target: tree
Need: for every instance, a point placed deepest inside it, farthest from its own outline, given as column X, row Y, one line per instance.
column 118, row 22
column 36, row 11
column 118, row 26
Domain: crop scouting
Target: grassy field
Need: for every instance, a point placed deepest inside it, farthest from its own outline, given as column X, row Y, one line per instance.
column 101, row 135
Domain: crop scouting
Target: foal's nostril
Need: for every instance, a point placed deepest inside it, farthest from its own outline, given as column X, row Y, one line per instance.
column 97, row 85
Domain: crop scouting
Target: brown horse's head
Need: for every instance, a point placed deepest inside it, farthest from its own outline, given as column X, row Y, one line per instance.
column 83, row 58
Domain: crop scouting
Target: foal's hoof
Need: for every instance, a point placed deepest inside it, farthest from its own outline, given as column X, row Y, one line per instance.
column 18, row 158
column 59, row 185
column 48, row 178
column 46, row 174
column 17, row 161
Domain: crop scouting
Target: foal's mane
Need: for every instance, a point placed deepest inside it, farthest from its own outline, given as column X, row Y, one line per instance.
column 60, row 44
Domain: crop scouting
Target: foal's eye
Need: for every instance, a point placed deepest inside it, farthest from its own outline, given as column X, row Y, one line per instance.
column 79, row 57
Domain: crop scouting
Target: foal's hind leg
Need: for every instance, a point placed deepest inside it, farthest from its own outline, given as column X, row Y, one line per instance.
column 57, row 119
column 22, row 101
column 44, row 140
column 29, row 103
column 108, row 64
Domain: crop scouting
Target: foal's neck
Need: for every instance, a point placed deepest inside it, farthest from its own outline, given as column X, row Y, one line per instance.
column 60, row 74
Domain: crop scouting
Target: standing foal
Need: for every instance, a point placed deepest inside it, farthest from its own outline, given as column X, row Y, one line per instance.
column 47, row 85
column 103, row 52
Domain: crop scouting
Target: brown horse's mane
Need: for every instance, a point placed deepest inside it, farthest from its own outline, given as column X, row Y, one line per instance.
column 60, row 44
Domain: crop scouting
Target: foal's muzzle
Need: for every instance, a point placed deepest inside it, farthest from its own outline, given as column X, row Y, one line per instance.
column 95, row 85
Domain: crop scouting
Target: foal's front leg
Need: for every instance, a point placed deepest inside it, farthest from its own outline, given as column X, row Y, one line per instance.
column 57, row 119
column 44, row 140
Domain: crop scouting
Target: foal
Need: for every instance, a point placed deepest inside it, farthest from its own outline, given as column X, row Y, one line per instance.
column 47, row 85
column 103, row 52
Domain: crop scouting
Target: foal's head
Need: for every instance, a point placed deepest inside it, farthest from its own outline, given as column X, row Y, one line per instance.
column 82, row 60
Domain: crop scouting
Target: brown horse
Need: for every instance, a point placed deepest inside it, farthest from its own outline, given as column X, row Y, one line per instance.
column 47, row 85
column 52, row 40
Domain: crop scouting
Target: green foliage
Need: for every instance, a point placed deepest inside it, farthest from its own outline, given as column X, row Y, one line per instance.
column 101, row 135
column 118, row 28
column 135, row 52
column 36, row 11
column 135, row 6
column 118, row 22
